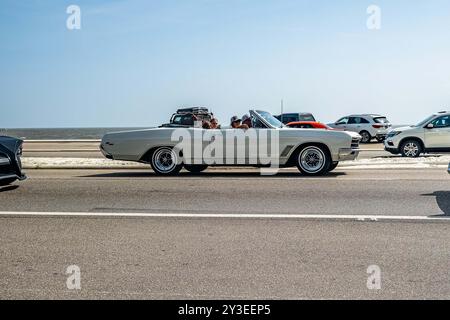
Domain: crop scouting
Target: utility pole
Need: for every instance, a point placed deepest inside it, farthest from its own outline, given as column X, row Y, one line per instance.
column 282, row 106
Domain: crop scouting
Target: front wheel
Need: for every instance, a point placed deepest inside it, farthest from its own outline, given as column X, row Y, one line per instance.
column 165, row 161
column 313, row 160
column 411, row 149
column 195, row 168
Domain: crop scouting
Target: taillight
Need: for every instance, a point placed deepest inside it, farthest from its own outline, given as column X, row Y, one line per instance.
column 378, row 126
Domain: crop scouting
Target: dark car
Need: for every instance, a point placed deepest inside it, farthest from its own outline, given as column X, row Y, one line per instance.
column 184, row 118
column 295, row 117
column 10, row 163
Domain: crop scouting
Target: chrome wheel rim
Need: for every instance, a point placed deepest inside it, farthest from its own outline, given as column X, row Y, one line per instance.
column 165, row 160
column 411, row 149
column 312, row 159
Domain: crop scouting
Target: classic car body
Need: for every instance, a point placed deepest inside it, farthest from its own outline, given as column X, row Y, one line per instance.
column 10, row 163
column 313, row 151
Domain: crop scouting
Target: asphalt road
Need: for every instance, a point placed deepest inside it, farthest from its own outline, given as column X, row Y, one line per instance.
column 387, row 192
column 226, row 257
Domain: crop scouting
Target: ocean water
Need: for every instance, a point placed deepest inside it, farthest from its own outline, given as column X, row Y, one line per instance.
column 67, row 133
column 61, row 133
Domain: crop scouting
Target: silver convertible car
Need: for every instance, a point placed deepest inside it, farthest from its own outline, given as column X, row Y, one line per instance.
column 268, row 143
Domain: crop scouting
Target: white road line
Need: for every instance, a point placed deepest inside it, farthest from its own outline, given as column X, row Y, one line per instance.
column 225, row 216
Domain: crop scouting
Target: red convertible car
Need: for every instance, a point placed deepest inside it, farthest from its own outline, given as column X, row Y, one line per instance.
column 308, row 125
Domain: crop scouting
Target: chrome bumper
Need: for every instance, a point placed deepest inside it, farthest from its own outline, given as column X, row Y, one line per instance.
column 348, row 154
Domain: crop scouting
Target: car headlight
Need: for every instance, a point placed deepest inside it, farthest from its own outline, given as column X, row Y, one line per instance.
column 393, row 134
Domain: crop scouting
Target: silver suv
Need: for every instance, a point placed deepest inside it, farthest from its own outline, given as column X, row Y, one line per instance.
column 369, row 126
column 430, row 135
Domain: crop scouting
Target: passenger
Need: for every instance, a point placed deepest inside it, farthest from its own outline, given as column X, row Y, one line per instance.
column 247, row 120
column 206, row 124
column 235, row 123
column 214, row 124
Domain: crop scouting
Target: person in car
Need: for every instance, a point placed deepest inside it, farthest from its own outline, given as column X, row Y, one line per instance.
column 247, row 120
column 235, row 123
column 214, row 124
column 206, row 124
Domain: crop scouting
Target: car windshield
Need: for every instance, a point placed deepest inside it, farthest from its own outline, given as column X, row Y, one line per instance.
column 177, row 119
column 274, row 122
column 421, row 124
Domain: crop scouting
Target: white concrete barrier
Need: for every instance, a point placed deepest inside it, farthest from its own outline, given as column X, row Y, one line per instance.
column 64, row 141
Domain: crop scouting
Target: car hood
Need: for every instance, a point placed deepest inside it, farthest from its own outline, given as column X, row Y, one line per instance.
column 400, row 129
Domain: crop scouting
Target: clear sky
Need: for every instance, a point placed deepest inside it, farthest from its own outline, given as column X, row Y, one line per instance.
column 134, row 62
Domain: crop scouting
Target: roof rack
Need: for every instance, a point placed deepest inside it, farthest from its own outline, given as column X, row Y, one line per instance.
column 195, row 110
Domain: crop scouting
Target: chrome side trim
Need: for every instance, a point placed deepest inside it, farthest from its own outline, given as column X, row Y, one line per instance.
column 4, row 162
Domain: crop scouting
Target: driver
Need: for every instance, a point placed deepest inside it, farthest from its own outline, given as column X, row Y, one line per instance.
column 247, row 120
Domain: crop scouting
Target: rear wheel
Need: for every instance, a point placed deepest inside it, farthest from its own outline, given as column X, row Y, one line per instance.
column 411, row 149
column 365, row 137
column 165, row 161
column 195, row 168
column 313, row 160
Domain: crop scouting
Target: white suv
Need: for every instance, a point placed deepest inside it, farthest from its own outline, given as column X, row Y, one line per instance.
column 369, row 126
column 430, row 135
